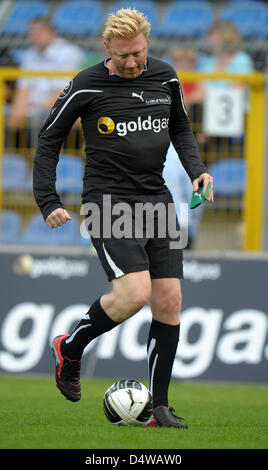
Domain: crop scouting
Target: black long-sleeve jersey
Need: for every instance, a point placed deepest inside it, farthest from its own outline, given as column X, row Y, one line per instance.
column 127, row 125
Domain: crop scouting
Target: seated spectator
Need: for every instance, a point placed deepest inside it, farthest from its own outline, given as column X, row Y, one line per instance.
column 181, row 188
column 188, row 59
column 98, row 54
column 224, row 41
column 225, row 56
column 35, row 96
column 185, row 59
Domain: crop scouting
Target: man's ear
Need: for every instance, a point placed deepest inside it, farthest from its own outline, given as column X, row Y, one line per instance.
column 106, row 46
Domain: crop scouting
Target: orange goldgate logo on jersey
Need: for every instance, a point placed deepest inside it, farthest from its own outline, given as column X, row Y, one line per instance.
column 105, row 125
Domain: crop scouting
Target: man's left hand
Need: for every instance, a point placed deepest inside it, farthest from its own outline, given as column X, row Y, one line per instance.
column 205, row 179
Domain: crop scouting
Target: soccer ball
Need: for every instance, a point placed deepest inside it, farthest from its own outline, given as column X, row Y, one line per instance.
column 128, row 402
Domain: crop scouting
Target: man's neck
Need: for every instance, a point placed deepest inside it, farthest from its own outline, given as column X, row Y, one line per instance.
column 112, row 71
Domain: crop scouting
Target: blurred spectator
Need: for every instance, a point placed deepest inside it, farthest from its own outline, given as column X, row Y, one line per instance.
column 7, row 61
column 181, row 189
column 185, row 59
column 5, row 57
column 224, row 42
column 95, row 56
column 35, row 96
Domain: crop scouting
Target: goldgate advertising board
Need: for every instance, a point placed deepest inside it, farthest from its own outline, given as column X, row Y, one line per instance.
column 224, row 320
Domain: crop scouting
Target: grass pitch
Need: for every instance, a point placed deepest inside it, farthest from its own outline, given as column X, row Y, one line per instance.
column 34, row 415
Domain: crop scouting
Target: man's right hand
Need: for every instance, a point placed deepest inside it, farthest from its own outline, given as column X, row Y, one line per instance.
column 57, row 218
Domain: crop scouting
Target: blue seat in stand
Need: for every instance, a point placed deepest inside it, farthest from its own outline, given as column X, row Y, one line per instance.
column 250, row 17
column 14, row 172
column 21, row 14
column 229, row 176
column 79, row 17
column 38, row 233
column 70, row 171
column 148, row 7
column 186, row 18
column 10, row 224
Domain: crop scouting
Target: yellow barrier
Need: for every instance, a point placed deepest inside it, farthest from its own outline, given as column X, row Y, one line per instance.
column 253, row 204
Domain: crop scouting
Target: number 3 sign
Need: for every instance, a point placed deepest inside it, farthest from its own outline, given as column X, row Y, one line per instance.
column 224, row 112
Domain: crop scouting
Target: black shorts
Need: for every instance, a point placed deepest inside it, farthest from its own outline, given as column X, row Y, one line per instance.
column 131, row 236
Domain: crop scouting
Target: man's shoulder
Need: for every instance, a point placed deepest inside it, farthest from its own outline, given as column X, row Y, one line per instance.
column 158, row 66
column 90, row 76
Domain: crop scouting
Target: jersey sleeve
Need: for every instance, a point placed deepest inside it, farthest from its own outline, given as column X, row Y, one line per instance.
column 181, row 134
column 68, row 108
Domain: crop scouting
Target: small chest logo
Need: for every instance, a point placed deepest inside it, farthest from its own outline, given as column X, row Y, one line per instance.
column 66, row 90
column 135, row 95
column 105, row 125
column 152, row 101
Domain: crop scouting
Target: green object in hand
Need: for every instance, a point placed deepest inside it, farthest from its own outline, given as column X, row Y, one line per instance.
column 197, row 196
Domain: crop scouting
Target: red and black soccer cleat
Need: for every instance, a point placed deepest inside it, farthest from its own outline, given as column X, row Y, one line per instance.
column 67, row 371
column 163, row 416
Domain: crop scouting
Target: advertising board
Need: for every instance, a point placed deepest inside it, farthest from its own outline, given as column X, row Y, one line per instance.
column 224, row 321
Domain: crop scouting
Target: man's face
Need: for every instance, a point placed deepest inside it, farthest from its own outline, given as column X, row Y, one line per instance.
column 40, row 36
column 215, row 41
column 128, row 55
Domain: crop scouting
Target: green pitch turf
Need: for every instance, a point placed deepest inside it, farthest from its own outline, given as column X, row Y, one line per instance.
column 34, row 415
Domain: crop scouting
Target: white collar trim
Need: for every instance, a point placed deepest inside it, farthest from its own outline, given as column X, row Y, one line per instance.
column 110, row 73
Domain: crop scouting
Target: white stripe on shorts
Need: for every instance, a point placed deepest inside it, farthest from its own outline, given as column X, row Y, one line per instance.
column 117, row 271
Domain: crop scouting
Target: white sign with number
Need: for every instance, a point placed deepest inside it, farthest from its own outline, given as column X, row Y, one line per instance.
column 224, row 112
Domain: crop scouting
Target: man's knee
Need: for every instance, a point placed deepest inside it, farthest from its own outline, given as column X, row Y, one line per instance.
column 136, row 297
column 168, row 303
column 129, row 295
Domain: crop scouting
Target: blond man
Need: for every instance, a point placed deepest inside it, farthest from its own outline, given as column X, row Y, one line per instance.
column 131, row 107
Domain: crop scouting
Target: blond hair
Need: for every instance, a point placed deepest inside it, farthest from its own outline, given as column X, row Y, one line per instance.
column 126, row 23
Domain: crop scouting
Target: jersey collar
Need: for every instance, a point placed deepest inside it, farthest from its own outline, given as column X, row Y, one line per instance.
column 109, row 58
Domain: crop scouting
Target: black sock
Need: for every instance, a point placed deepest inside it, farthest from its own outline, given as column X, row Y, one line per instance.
column 93, row 324
column 161, row 349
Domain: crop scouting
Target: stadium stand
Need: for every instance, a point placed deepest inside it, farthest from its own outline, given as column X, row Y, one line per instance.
column 10, row 227
column 79, row 18
column 173, row 22
column 20, row 15
column 148, row 7
column 81, row 21
column 250, row 17
column 242, row 1
column 14, row 172
column 70, row 170
column 37, row 232
column 186, row 19
column 229, row 176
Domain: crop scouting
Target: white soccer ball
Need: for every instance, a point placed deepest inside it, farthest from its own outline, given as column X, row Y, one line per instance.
column 128, row 402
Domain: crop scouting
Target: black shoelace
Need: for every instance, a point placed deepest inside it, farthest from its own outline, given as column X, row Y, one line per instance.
column 71, row 370
column 175, row 416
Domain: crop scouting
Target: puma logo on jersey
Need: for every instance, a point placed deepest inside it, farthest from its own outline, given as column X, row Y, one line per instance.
column 135, row 95
column 151, row 101
column 198, row 195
